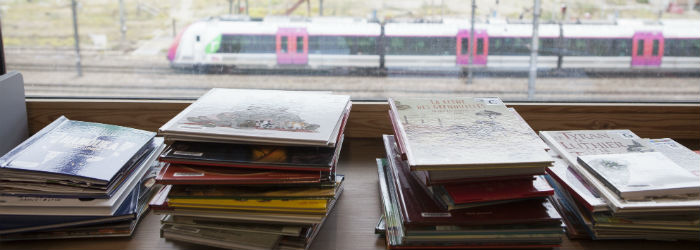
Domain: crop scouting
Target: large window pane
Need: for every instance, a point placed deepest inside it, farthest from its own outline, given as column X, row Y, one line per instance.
column 600, row 51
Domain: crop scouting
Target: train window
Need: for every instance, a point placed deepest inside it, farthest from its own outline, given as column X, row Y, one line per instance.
column 479, row 46
column 246, row 44
column 679, row 47
column 421, row 46
column 283, row 44
column 465, row 46
column 655, row 48
column 300, row 44
column 640, row 47
column 342, row 45
column 501, row 46
column 547, row 47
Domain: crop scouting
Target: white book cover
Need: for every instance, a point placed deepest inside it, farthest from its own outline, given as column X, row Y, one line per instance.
column 678, row 153
column 270, row 116
column 557, row 141
column 638, row 175
column 447, row 133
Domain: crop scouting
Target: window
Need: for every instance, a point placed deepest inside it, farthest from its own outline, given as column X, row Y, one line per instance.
column 465, row 46
column 480, row 46
column 179, row 49
column 283, row 46
column 246, row 44
column 682, row 47
column 343, row 45
column 300, row 44
column 640, row 47
column 655, row 48
column 438, row 46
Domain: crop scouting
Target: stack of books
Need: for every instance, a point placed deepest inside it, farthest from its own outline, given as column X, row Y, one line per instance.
column 464, row 173
column 612, row 184
column 77, row 179
column 251, row 169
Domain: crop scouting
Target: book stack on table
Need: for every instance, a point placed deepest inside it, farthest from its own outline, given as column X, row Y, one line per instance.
column 77, row 179
column 251, row 169
column 465, row 173
column 612, row 184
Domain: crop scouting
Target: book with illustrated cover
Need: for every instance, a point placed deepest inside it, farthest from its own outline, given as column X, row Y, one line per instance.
column 463, row 133
column 638, row 175
column 76, row 154
column 199, row 175
column 262, row 117
column 572, row 143
column 253, row 156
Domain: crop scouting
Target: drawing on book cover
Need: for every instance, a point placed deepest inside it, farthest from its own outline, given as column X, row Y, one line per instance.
column 256, row 117
column 447, row 131
column 614, row 170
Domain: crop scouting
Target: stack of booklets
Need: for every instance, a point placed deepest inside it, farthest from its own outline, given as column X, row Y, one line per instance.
column 251, row 169
column 612, row 184
column 77, row 179
column 464, row 173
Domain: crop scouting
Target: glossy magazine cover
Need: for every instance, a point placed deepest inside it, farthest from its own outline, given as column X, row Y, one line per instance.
column 92, row 152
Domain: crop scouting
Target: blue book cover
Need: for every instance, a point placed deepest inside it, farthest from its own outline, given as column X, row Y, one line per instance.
column 78, row 152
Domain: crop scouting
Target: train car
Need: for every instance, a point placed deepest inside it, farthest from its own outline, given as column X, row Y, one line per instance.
column 277, row 43
column 282, row 42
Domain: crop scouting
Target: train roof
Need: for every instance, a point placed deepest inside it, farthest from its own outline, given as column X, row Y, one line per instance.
column 622, row 28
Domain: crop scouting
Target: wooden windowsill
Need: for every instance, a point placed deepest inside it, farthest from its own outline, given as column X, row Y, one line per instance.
column 370, row 119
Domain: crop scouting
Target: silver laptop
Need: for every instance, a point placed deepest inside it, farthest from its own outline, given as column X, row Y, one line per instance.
column 13, row 112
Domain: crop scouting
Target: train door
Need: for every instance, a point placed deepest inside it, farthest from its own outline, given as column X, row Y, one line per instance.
column 292, row 46
column 647, row 48
column 480, row 50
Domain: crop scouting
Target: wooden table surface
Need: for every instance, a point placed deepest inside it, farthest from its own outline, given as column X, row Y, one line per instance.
column 350, row 225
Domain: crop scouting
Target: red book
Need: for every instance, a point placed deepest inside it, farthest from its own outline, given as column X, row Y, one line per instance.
column 488, row 191
column 200, row 175
column 418, row 209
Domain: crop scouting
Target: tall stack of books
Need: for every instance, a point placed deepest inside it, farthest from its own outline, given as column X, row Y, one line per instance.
column 612, row 184
column 465, row 173
column 252, row 169
column 77, row 179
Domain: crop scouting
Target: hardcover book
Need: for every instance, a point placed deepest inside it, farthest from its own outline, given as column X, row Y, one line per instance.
column 491, row 192
column 62, row 206
column 262, row 117
column 199, row 175
column 678, row 153
column 253, row 156
column 75, row 153
column 418, row 209
column 638, row 175
column 572, row 143
column 572, row 182
column 462, row 133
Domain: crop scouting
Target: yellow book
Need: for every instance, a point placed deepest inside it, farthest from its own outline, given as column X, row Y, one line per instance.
column 259, row 203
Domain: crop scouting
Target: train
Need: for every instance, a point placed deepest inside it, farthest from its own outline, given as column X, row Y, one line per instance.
column 499, row 45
